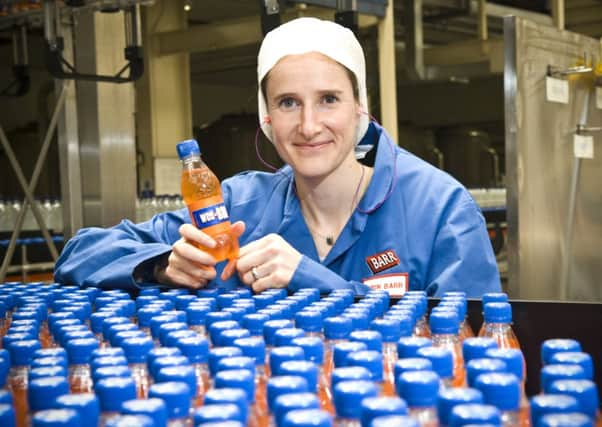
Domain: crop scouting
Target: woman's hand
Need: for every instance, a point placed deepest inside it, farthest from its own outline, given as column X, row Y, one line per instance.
column 189, row 266
column 269, row 262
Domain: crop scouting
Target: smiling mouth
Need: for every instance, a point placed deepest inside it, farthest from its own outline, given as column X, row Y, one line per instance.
column 312, row 144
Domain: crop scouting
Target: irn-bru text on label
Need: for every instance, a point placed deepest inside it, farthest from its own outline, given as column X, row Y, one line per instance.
column 211, row 215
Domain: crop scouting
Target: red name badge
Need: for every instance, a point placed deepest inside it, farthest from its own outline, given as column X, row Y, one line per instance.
column 396, row 284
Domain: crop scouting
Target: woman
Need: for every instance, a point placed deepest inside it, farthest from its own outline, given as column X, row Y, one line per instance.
column 326, row 220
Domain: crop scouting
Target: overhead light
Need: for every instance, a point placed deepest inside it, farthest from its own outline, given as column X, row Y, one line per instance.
column 187, row 5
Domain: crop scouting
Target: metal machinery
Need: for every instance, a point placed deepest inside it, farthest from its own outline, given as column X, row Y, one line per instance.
column 94, row 139
column 554, row 194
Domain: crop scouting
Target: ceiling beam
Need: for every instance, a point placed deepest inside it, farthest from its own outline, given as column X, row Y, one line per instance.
column 230, row 34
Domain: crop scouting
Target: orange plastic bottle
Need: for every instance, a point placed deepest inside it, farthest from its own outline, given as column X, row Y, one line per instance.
column 202, row 194
column 497, row 324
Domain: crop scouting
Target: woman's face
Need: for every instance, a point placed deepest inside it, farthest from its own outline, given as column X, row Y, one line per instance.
column 314, row 114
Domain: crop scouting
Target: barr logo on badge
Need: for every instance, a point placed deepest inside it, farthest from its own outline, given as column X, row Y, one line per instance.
column 395, row 284
column 382, row 261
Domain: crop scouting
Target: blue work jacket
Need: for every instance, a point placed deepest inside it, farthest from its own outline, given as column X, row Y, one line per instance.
column 413, row 220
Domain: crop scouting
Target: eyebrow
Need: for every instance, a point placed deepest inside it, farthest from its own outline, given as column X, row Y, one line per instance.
column 320, row 92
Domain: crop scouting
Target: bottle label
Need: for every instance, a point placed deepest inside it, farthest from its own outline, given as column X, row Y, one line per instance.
column 210, row 215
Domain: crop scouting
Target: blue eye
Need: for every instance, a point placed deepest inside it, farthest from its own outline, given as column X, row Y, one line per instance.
column 330, row 98
column 287, row 103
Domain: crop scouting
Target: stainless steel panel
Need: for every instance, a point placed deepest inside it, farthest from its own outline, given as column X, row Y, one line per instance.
column 106, row 123
column 541, row 169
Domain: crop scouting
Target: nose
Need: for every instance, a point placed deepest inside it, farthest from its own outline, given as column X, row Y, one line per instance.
column 310, row 124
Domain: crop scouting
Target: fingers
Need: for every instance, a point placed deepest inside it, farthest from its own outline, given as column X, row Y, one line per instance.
column 193, row 234
column 229, row 269
column 183, row 250
column 238, row 228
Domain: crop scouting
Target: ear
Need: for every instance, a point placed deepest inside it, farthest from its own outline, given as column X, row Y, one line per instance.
column 267, row 120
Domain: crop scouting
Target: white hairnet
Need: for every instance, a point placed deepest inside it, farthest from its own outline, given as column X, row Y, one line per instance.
column 305, row 35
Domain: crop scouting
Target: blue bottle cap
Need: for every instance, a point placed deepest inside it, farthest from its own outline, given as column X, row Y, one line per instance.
column 6, row 397
column 372, row 307
column 145, row 315
column 372, row 339
column 111, row 371
column 313, row 293
column 123, row 332
column 309, row 321
column 57, row 352
column 237, row 378
column 515, row 362
column 411, row 364
column 476, row 347
column 348, row 396
column 444, row 323
column 458, row 303
column 543, row 404
column 313, row 348
column 160, row 352
column 253, row 347
column 226, row 338
column 130, row 421
column 585, row 391
column 4, row 369
column 302, row 368
column 85, row 404
column 408, row 346
column 382, row 302
column 188, row 148
column 41, row 392
column 56, row 418
column 374, row 407
column 337, row 328
column 254, row 322
column 551, row 373
column 497, row 312
column 307, row 418
column 575, row 358
column 236, row 362
column 218, row 353
column 236, row 396
column 183, row 301
column 328, row 308
column 263, row 300
column 369, row 359
column 418, row 388
column 359, row 318
column 216, row 328
column 350, row 373
column 389, row 328
column 284, row 337
column 394, row 421
column 573, row 419
column 237, row 312
column 290, row 402
column 494, row 297
column 208, row 292
column 420, row 303
column 176, row 396
column 343, row 349
column 211, row 414
column 73, row 334
column 184, row 374
column 271, row 327
column 501, row 390
column 7, row 415
column 195, row 348
column 114, row 390
column 475, row 413
column 149, row 291
column 450, row 397
column 339, row 303
column 476, row 367
column 172, row 338
column 44, row 362
column 21, row 352
column 441, row 359
column 196, row 314
column 47, row 371
column 158, row 321
column 282, row 354
column 136, row 349
column 284, row 384
column 108, row 322
column 10, row 338
column 166, row 328
column 80, row 350
column 226, row 300
column 143, row 300
column 162, row 362
column 155, row 408
column 278, row 293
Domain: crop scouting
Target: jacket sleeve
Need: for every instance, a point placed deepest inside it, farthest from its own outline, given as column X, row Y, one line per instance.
column 462, row 257
column 311, row 274
column 106, row 257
